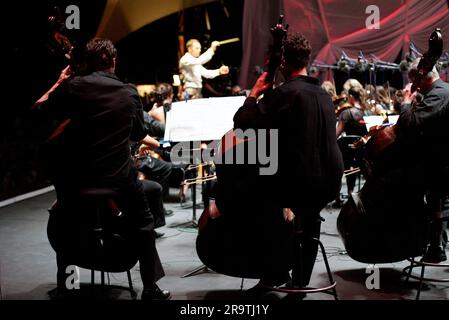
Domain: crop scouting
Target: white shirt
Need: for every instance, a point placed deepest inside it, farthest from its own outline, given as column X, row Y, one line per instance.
column 192, row 69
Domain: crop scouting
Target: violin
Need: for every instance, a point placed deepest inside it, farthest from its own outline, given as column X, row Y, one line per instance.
column 337, row 100
column 342, row 107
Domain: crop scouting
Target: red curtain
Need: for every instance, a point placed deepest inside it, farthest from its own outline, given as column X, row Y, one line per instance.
column 336, row 25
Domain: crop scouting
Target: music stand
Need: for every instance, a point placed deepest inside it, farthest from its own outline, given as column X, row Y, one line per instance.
column 206, row 120
column 205, row 178
column 192, row 223
column 193, row 182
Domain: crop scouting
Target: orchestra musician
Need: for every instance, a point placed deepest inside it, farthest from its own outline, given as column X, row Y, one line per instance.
column 104, row 115
column 413, row 163
column 191, row 66
column 163, row 100
column 350, row 122
column 423, row 133
column 310, row 164
column 350, row 116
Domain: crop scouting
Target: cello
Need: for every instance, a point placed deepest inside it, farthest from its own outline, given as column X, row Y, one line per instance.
column 377, row 226
column 232, row 237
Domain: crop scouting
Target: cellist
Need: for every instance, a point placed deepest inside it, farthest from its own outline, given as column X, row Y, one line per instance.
column 423, row 133
column 310, row 163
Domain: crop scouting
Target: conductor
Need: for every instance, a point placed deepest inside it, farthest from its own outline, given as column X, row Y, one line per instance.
column 191, row 66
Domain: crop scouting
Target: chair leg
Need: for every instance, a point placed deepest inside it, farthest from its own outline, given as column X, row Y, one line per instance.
column 418, row 293
column 131, row 288
column 92, row 283
column 297, row 271
column 328, row 269
column 412, row 263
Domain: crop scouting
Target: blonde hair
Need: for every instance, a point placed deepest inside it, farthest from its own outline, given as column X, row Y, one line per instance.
column 329, row 88
column 191, row 42
column 351, row 84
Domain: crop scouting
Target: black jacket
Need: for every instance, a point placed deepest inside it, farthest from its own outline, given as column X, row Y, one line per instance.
column 424, row 128
column 105, row 115
column 310, row 162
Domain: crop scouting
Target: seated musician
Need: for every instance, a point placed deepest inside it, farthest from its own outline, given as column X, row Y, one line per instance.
column 310, row 164
column 163, row 100
column 329, row 87
column 152, row 189
column 350, row 121
column 423, row 132
column 105, row 114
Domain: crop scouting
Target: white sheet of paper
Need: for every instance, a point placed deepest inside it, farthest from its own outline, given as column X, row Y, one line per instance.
column 372, row 121
column 393, row 119
column 201, row 119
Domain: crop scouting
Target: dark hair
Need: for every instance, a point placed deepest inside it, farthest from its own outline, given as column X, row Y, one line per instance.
column 165, row 90
column 296, row 50
column 99, row 54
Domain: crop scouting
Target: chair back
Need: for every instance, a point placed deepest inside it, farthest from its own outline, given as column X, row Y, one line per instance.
column 93, row 233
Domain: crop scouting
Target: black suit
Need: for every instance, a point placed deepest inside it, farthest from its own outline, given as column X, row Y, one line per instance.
column 416, row 164
column 310, row 163
column 93, row 152
column 424, row 136
column 424, row 127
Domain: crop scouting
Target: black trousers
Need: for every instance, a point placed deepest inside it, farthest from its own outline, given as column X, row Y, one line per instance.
column 305, row 250
column 154, row 193
column 156, row 170
column 131, row 200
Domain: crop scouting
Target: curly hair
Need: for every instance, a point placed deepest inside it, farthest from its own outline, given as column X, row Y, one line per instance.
column 296, row 50
column 99, row 54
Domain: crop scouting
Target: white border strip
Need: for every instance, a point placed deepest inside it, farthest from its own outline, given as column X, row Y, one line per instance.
column 25, row 196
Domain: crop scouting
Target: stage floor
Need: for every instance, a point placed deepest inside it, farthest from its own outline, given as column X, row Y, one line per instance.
column 28, row 268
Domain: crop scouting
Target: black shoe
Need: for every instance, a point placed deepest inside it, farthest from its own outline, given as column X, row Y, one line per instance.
column 155, row 294
column 337, row 204
column 295, row 296
column 62, row 294
column 435, row 254
column 257, row 289
column 168, row 213
column 159, row 234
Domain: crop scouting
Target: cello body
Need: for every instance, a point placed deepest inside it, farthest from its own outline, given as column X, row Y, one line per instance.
column 382, row 230
column 386, row 221
column 249, row 237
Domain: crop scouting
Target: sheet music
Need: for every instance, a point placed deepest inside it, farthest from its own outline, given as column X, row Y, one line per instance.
column 393, row 119
column 201, row 119
column 372, row 121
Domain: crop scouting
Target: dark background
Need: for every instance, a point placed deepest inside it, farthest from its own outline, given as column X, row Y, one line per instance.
column 30, row 66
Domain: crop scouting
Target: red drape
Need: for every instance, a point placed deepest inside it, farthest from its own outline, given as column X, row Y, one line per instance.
column 336, row 25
